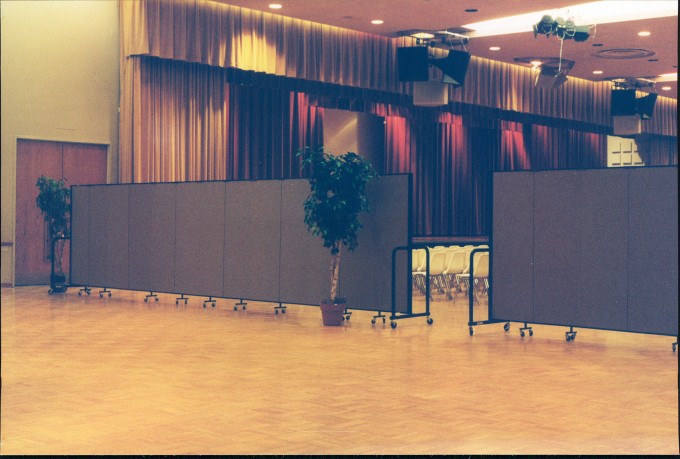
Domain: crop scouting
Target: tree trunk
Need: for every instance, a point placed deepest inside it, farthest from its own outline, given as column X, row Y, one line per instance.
column 335, row 272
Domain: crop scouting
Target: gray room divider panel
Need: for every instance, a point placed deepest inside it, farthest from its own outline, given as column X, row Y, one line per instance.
column 366, row 274
column 557, row 230
column 605, row 248
column 244, row 240
column 97, row 243
column 603, row 253
column 80, row 220
column 252, row 238
column 199, row 236
column 305, row 278
column 653, row 252
column 117, row 224
column 512, row 254
column 152, row 237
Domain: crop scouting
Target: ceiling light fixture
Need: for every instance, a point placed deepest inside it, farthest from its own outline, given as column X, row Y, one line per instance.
column 665, row 88
column 377, row 21
column 495, row 48
column 602, row 12
column 597, row 72
column 275, row 6
column 423, row 35
column 644, row 33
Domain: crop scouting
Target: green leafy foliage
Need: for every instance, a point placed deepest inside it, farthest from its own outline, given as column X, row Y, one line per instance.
column 337, row 196
column 54, row 201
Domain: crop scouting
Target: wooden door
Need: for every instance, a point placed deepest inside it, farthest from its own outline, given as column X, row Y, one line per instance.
column 78, row 164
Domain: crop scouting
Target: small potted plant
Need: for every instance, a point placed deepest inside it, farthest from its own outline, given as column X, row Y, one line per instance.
column 337, row 196
column 54, row 201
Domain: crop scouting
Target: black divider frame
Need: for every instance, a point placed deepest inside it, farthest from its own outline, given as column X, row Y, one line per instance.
column 81, row 224
column 571, row 333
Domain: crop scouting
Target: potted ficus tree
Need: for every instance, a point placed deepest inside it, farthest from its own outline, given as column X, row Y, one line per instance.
column 54, row 201
column 337, row 197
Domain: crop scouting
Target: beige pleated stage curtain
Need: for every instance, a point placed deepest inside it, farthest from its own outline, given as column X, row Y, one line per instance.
column 221, row 35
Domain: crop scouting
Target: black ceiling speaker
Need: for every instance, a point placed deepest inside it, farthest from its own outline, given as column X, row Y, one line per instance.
column 623, row 102
column 644, row 106
column 412, row 63
column 550, row 78
column 454, row 66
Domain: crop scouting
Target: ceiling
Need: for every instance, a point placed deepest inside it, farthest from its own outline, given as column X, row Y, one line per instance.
column 617, row 41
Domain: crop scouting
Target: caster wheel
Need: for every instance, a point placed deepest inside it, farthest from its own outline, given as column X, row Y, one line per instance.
column 393, row 324
column 472, row 331
column 521, row 334
column 101, row 296
column 146, row 300
column 88, row 293
column 343, row 318
column 156, row 299
column 109, row 294
column 674, row 347
column 347, row 318
column 283, row 311
column 235, row 308
column 276, row 311
column 531, row 333
column 80, row 293
column 430, row 320
column 506, row 327
column 213, row 305
column 383, row 320
column 244, row 307
column 568, row 339
column 49, row 292
column 373, row 322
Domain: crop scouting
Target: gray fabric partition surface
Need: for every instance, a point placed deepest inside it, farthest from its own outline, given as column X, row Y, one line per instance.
column 602, row 248
column 199, row 238
column 252, row 237
column 512, row 254
column 244, row 240
column 151, row 264
column 80, row 219
column 653, row 251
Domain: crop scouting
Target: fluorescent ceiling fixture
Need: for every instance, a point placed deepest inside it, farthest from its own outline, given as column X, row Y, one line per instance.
column 644, row 33
column 591, row 13
column 495, row 48
column 275, row 6
column 665, row 88
column 597, row 72
column 377, row 21
column 423, row 35
column 667, row 77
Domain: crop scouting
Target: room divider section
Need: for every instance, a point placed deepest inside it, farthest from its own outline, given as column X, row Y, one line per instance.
column 241, row 239
column 586, row 248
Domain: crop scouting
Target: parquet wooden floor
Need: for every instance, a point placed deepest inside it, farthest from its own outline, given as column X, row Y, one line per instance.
column 84, row 375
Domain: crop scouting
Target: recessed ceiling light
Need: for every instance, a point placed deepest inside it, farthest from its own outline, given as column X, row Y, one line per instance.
column 665, row 88
column 597, row 72
column 423, row 35
column 495, row 48
column 377, row 21
column 275, row 6
column 644, row 33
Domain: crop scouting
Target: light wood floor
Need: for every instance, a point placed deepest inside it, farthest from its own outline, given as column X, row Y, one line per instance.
column 84, row 375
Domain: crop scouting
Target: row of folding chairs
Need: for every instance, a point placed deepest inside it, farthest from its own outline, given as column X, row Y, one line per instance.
column 449, row 270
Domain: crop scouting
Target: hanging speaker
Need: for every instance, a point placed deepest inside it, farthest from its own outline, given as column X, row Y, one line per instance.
column 581, row 33
column 550, row 78
column 430, row 93
column 412, row 63
column 644, row 106
column 623, row 102
column 454, row 66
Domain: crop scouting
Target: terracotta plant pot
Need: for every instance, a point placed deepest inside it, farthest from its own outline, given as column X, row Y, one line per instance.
column 332, row 314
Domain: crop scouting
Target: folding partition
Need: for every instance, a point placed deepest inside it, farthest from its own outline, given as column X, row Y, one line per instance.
column 587, row 248
column 241, row 239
